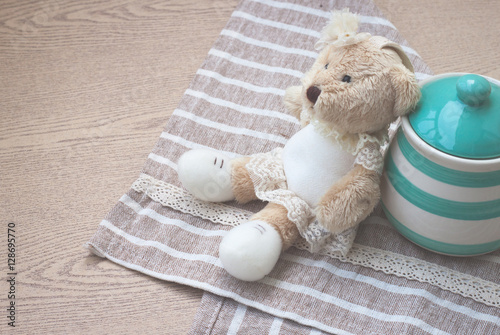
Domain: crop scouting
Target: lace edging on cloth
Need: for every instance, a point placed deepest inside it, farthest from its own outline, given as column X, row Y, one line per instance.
column 385, row 261
column 178, row 199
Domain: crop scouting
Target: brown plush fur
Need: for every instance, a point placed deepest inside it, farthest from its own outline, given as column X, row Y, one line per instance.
column 293, row 100
column 350, row 200
column 380, row 89
column 276, row 216
column 406, row 90
column 243, row 189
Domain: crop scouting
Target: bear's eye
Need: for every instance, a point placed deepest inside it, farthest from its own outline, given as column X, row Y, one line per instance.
column 346, row 79
column 326, row 65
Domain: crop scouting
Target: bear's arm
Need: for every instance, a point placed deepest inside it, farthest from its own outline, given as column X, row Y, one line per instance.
column 293, row 100
column 350, row 200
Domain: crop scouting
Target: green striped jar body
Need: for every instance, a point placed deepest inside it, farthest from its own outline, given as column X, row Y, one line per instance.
column 444, row 203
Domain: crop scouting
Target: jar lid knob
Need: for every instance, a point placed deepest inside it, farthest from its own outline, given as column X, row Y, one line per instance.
column 473, row 90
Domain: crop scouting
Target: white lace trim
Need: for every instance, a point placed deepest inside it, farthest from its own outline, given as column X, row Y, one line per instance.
column 468, row 286
column 269, row 180
column 370, row 157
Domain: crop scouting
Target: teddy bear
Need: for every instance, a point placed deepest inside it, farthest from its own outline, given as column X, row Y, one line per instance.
column 325, row 180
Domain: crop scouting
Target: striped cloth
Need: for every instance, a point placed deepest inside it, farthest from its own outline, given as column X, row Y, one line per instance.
column 385, row 285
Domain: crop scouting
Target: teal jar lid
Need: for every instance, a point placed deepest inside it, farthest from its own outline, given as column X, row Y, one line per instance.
column 460, row 115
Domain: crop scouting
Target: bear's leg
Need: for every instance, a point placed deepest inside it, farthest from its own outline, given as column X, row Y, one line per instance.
column 250, row 251
column 277, row 216
column 243, row 188
column 212, row 176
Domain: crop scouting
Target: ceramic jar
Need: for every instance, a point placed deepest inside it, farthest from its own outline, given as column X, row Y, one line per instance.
column 441, row 184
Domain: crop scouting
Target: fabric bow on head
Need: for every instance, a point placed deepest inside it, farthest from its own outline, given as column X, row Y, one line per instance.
column 341, row 30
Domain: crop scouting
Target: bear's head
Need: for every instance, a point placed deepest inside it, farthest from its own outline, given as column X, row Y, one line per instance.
column 359, row 83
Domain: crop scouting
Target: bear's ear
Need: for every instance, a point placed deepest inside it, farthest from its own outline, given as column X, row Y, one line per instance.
column 406, row 89
column 384, row 43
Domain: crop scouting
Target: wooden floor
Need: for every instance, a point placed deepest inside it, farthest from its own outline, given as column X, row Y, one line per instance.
column 86, row 88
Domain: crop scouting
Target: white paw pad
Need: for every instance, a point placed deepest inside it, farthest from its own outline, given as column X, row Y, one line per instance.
column 206, row 174
column 250, row 251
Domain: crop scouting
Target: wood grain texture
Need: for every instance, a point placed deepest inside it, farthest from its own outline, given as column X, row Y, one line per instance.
column 83, row 81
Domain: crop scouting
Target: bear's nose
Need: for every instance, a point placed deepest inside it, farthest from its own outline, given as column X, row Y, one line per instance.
column 313, row 93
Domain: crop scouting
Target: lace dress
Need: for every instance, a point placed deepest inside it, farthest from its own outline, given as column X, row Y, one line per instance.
column 268, row 175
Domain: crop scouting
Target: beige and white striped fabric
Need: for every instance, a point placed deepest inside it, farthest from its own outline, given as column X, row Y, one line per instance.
column 385, row 285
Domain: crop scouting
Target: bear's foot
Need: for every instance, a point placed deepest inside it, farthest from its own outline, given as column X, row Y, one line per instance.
column 250, row 251
column 206, row 174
